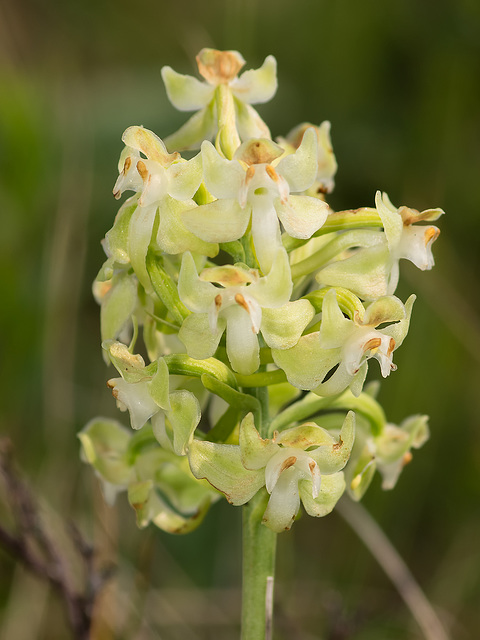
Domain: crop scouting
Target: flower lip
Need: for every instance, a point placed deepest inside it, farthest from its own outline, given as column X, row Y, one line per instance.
column 219, row 67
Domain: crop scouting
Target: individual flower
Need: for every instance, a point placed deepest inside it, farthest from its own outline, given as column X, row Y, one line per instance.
column 160, row 485
column 255, row 185
column 165, row 183
column 326, row 162
column 144, row 392
column 345, row 346
column 388, row 452
column 238, row 300
column 405, row 238
column 302, row 463
column 115, row 290
column 219, row 68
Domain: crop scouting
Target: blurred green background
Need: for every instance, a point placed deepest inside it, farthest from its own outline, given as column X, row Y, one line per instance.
column 399, row 82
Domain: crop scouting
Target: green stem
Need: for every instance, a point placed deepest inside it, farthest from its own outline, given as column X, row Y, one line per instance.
column 261, row 379
column 311, row 404
column 259, row 546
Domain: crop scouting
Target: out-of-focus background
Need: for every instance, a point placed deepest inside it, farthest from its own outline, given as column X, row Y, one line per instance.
column 399, row 82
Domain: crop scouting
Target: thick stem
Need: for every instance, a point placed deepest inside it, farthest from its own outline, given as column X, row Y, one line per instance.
column 259, row 545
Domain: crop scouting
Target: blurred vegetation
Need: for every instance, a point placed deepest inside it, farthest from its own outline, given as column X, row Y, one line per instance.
column 399, row 82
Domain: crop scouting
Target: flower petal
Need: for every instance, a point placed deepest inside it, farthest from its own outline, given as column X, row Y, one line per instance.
column 184, row 417
column 331, row 490
column 173, row 236
column 222, row 466
column 306, row 364
column 284, row 502
column 335, row 328
column 301, row 216
column 282, row 327
column 249, row 123
column 186, row 93
column 300, row 168
column 136, row 398
column 201, row 126
column 256, row 452
column 223, row 178
column 196, row 294
column 197, row 336
column 243, row 350
column 219, row 221
column 185, row 178
column 274, row 289
column 139, row 236
column 257, row 85
column 365, row 273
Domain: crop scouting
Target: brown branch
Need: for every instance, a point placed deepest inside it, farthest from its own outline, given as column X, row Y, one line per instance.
column 32, row 545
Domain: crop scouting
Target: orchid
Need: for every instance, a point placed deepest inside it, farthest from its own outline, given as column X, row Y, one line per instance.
column 165, row 183
column 242, row 313
column 404, row 240
column 220, row 70
column 244, row 304
column 257, row 185
column 301, row 463
column 160, row 485
column 326, row 162
column 144, row 392
column 347, row 345
column 388, row 452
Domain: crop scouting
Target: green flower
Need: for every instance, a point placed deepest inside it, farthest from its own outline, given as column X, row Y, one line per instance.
column 243, row 304
column 144, row 392
column 303, row 463
column 220, row 69
column 346, row 345
column 165, row 184
column 160, row 485
column 255, row 186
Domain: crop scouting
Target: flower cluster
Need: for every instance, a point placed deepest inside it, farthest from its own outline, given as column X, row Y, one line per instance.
column 258, row 307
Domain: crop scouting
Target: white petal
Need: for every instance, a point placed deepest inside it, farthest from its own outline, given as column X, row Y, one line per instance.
column 242, row 342
column 249, row 122
column 197, row 336
column 186, row 93
column 282, row 327
column 139, row 237
column 416, row 245
column 219, row 221
column 199, row 127
column 257, row 85
column 265, row 231
column 195, row 294
column 136, row 398
column 223, row 178
column 391, row 219
column 184, row 178
column 300, row 168
column 274, row 289
column 301, row 216
column 284, row 502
